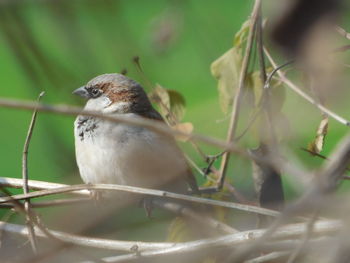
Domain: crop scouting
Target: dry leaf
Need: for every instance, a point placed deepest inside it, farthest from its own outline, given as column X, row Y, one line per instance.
column 317, row 144
column 226, row 70
column 186, row 127
column 159, row 95
column 177, row 104
column 169, row 102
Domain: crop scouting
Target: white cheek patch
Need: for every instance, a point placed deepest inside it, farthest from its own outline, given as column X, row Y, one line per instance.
column 106, row 101
column 98, row 104
column 116, row 107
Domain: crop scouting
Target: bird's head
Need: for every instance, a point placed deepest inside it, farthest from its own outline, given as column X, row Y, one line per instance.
column 114, row 93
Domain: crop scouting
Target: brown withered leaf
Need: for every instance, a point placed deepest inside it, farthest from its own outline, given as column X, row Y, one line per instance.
column 317, row 144
column 226, row 70
column 186, row 127
column 170, row 102
column 177, row 103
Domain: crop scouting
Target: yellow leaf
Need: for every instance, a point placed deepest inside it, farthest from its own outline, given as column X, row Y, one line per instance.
column 317, row 144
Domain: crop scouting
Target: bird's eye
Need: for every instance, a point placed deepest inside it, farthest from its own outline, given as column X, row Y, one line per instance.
column 95, row 92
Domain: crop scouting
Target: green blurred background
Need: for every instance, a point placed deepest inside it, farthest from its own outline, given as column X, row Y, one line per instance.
column 57, row 46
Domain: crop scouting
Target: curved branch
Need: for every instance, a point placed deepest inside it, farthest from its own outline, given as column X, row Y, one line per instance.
column 138, row 190
column 231, row 241
column 304, row 95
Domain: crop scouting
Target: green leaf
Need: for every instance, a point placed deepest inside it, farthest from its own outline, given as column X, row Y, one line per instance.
column 226, row 70
column 241, row 35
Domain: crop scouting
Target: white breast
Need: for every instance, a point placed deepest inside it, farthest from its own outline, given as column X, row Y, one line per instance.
column 129, row 155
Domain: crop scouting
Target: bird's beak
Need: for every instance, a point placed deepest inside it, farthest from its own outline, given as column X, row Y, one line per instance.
column 82, row 92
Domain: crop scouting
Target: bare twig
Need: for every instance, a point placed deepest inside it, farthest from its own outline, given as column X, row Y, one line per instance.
column 324, row 158
column 324, row 184
column 202, row 219
column 25, row 178
column 138, row 190
column 152, row 125
column 342, row 32
column 87, row 241
column 155, row 248
column 147, row 123
column 237, row 99
column 301, row 93
column 51, row 203
column 268, row 257
column 305, row 239
column 274, row 71
column 228, row 241
column 36, row 185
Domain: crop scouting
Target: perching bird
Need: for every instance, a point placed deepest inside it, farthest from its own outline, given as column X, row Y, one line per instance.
column 118, row 153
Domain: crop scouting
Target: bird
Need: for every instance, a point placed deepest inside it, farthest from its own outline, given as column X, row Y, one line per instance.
column 118, row 153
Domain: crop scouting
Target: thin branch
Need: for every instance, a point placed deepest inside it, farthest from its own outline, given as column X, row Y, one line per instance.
column 143, row 122
column 323, row 227
column 144, row 191
column 237, row 99
column 324, row 184
column 228, row 241
column 33, row 217
column 305, row 238
column 87, row 241
column 51, row 203
column 152, row 125
column 36, row 185
column 301, row 93
column 268, row 257
column 197, row 217
column 274, row 71
column 25, row 178
column 342, row 32
column 324, row 158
